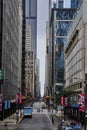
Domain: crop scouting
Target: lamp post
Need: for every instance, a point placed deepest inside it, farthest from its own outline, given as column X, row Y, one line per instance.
column 84, row 102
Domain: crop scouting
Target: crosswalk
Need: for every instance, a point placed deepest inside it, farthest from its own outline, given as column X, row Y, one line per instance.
column 41, row 111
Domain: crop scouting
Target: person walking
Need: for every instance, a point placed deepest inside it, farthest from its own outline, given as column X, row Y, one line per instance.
column 52, row 120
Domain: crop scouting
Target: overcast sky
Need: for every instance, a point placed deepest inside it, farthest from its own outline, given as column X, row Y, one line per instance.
column 42, row 17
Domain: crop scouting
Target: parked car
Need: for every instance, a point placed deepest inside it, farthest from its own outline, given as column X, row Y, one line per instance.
column 68, row 128
column 76, row 126
column 27, row 111
column 64, row 126
column 61, row 126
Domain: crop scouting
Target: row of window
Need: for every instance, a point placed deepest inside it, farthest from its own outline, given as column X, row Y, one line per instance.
column 73, row 3
column 65, row 14
column 77, row 49
column 78, row 75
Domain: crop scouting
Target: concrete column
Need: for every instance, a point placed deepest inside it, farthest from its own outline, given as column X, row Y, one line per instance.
column 84, row 11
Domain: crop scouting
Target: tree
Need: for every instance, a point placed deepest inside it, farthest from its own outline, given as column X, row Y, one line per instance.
column 62, row 93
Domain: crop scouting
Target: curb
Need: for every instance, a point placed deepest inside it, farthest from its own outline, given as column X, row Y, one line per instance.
column 59, row 117
column 20, row 119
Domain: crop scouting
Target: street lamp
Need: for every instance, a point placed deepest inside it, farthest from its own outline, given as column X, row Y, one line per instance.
column 84, row 102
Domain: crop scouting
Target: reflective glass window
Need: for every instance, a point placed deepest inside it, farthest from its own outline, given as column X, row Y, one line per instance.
column 61, row 41
column 62, row 28
column 65, row 14
column 75, row 3
column 60, row 4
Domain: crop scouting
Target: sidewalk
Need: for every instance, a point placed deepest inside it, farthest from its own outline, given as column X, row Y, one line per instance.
column 61, row 116
column 10, row 122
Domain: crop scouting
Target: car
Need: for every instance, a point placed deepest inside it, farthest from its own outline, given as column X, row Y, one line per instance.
column 68, row 128
column 61, row 126
column 27, row 110
column 64, row 126
column 44, row 107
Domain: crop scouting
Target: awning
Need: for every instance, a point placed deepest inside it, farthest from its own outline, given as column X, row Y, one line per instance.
column 49, row 97
column 24, row 97
column 75, row 105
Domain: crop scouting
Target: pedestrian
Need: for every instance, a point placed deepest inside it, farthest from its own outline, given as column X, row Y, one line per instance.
column 17, row 116
column 52, row 120
column 62, row 121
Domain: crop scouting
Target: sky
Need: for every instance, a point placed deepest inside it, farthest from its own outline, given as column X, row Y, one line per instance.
column 42, row 17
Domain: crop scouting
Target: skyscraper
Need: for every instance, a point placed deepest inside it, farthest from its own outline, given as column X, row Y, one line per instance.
column 1, row 15
column 29, row 43
column 61, row 18
column 31, row 19
column 10, row 51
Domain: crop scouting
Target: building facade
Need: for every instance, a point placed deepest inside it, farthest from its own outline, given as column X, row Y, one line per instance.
column 60, row 17
column 76, row 62
column 1, row 23
column 37, row 73
column 46, row 87
column 31, row 19
column 75, row 53
column 11, row 47
column 29, row 62
column 10, row 54
column 29, row 73
column 29, row 50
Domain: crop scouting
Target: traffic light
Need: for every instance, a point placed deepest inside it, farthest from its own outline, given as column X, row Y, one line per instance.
column 1, row 76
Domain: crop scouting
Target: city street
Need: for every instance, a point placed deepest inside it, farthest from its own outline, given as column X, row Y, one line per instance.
column 38, row 122
column 41, row 120
column 43, row 65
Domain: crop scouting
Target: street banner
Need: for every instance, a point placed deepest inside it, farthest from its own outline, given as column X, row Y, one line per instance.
column 65, row 101
column 62, row 101
column 82, row 102
column 18, row 99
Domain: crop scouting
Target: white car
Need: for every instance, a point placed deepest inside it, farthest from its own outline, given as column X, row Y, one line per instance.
column 68, row 128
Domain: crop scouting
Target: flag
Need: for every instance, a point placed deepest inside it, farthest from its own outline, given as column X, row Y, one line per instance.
column 66, row 101
column 62, row 101
column 82, row 102
column 20, row 98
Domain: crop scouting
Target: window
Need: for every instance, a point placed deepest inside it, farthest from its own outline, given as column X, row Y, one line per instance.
column 75, row 3
column 60, row 4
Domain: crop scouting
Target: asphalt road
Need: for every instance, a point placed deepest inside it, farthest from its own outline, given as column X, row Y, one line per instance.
column 37, row 122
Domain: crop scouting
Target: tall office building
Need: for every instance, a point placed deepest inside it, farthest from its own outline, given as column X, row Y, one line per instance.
column 76, row 64
column 29, row 50
column 29, row 62
column 11, row 46
column 61, row 18
column 1, row 15
column 10, row 52
column 37, row 73
column 47, row 63
column 31, row 19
